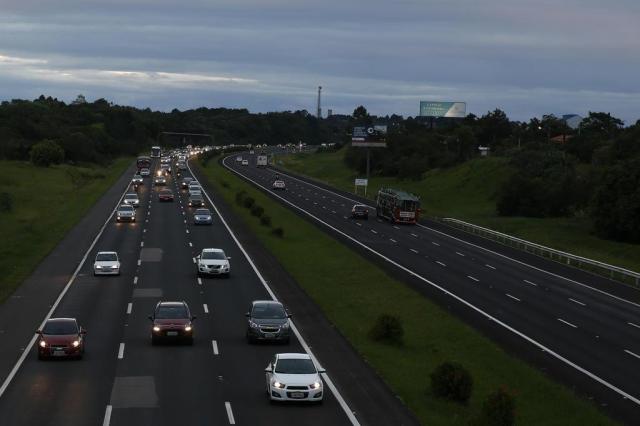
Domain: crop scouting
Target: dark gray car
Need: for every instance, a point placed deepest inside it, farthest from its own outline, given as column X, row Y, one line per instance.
column 196, row 201
column 268, row 320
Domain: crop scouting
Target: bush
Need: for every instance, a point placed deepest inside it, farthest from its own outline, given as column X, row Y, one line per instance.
column 248, row 202
column 451, row 381
column 224, row 184
column 45, row 153
column 499, row 409
column 257, row 211
column 6, row 202
column 387, row 329
column 265, row 220
column 240, row 197
column 278, row 232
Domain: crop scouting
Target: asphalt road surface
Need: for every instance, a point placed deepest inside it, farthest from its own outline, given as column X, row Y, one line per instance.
column 581, row 328
column 123, row 379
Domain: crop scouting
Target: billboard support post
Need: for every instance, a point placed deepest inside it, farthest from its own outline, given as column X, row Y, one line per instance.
column 368, row 162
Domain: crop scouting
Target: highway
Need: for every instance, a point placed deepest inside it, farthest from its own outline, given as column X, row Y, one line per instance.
column 583, row 329
column 124, row 380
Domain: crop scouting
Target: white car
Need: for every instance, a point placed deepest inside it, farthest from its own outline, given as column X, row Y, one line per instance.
column 145, row 172
column 131, row 199
column 213, row 261
column 245, row 162
column 294, row 377
column 106, row 263
column 238, row 159
column 279, row 184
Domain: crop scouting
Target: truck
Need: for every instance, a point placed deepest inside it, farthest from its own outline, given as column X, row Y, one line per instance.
column 262, row 160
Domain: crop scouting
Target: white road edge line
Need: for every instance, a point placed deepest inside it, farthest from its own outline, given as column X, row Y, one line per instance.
column 129, row 308
column 214, row 344
column 632, row 354
column 227, row 405
column 107, row 416
column 29, row 347
column 513, row 297
column 327, row 379
column 567, row 322
column 121, row 351
column 633, row 325
column 578, row 302
column 458, row 298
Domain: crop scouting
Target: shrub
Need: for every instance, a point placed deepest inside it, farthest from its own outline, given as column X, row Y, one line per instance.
column 257, row 210
column 240, row 197
column 6, row 202
column 265, row 220
column 248, row 202
column 499, row 409
column 387, row 329
column 452, row 381
column 224, row 184
column 278, row 232
column 45, row 153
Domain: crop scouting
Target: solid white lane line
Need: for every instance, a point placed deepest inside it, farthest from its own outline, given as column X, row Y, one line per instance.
column 107, row 416
column 435, row 244
column 129, row 307
column 199, row 281
column 568, row 323
column 392, row 240
column 414, row 250
column 632, row 354
column 513, row 297
column 440, row 263
column 135, row 280
column 190, row 244
column 489, row 266
column 214, row 344
column 529, row 282
column 633, row 325
column 473, row 278
column 121, row 351
column 374, row 231
column 232, row 421
column 459, row 254
column 206, row 308
column 578, row 302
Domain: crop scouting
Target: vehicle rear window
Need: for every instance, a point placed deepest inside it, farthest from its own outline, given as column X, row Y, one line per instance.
column 171, row 312
column 60, row 327
column 106, row 257
column 295, row 366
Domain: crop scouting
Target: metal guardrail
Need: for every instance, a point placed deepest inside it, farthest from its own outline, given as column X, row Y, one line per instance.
column 600, row 268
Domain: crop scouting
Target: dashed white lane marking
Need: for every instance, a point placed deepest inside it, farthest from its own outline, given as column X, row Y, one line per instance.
column 144, row 230
column 121, row 351
column 141, row 243
column 633, row 325
column 194, row 259
column 567, row 322
column 513, row 297
column 374, row 231
column 333, row 211
column 206, row 308
column 183, row 213
column 345, row 217
column 459, row 254
column 227, row 405
column 392, row 240
column 187, row 231
column 315, row 203
column 578, row 302
column 414, row 235
column 214, row 344
column 190, row 244
column 107, row 416
column 529, row 282
column 359, row 224
column 632, row 354
column 435, row 244
column 489, row 266
column 199, row 281
column 440, row 263
column 414, row 250
column 135, row 280
column 139, row 262
column 185, row 221
column 473, row 278
column 129, row 307
column 324, row 207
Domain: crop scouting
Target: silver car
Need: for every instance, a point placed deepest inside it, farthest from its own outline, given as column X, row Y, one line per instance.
column 131, row 200
column 126, row 213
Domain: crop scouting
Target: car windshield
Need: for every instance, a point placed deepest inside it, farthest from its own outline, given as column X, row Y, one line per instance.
column 131, row 197
column 187, row 180
column 171, row 312
column 126, row 209
column 196, row 197
column 166, row 192
column 268, row 311
column 203, row 212
column 295, row 366
column 359, row 208
column 217, row 255
column 60, row 327
column 106, row 257
column 137, row 176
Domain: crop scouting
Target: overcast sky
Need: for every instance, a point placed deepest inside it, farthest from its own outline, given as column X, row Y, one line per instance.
column 527, row 57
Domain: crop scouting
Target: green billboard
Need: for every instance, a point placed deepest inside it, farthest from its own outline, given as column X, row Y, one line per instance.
column 443, row 109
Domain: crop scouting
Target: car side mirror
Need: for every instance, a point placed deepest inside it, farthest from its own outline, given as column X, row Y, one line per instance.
column 268, row 369
column 247, row 314
column 228, row 257
column 83, row 331
column 150, row 317
column 321, row 370
column 193, row 318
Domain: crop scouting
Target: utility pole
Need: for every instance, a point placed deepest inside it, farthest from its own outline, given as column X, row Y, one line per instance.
column 319, row 112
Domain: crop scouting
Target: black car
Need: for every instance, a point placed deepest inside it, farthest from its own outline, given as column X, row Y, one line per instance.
column 268, row 320
column 185, row 182
column 360, row 211
column 196, row 200
column 172, row 321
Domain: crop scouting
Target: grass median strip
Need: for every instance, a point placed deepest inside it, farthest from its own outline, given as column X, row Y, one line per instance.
column 354, row 293
column 45, row 204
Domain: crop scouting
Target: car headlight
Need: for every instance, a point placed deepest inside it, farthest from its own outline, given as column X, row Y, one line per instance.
column 187, row 328
column 315, row 385
column 98, row 267
column 114, row 267
column 76, row 343
column 278, row 385
column 43, row 344
column 156, row 328
column 253, row 324
column 285, row 325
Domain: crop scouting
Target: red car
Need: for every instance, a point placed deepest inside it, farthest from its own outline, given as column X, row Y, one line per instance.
column 165, row 195
column 61, row 338
column 172, row 321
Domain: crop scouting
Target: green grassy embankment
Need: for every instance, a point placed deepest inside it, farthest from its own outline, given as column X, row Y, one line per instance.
column 352, row 292
column 46, row 205
column 468, row 192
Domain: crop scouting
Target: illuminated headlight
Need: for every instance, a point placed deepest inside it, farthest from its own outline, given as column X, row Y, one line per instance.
column 76, row 343
column 156, row 328
column 98, row 267
column 187, row 328
column 278, row 385
column 315, row 385
column 43, row 344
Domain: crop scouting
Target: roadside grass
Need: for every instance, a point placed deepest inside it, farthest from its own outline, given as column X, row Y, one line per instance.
column 468, row 192
column 47, row 203
column 353, row 292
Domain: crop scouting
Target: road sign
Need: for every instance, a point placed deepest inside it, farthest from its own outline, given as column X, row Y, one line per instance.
column 362, row 182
